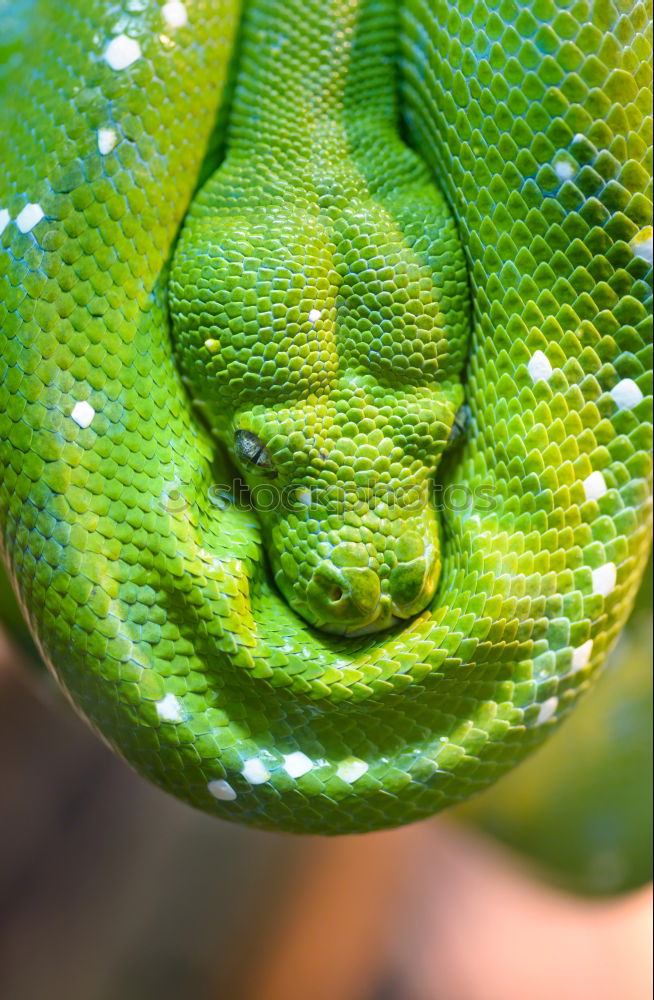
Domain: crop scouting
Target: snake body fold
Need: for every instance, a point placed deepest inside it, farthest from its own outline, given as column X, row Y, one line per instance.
column 409, row 309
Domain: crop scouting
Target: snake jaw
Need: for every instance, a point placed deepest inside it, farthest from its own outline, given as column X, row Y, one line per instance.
column 340, row 585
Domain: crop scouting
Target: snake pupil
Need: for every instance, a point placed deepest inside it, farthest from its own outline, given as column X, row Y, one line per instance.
column 460, row 426
column 251, row 450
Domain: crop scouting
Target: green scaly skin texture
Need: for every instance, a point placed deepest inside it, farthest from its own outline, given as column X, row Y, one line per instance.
column 328, row 324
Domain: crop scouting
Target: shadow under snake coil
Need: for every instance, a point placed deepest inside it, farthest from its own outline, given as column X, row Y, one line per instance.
column 409, row 307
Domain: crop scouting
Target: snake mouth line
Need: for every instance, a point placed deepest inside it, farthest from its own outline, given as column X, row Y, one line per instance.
column 383, row 620
column 372, row 628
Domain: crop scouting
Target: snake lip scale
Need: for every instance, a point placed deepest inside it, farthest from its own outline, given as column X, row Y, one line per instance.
column 368, row 248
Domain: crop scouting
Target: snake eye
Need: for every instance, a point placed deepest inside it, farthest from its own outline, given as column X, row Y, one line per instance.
column 459, row 427
column 251, row 450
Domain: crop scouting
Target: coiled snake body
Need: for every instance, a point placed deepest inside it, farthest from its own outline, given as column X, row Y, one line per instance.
column 408, row 311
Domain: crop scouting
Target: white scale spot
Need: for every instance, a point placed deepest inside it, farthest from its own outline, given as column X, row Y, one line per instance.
column 304, row 497
column 604, row 579
column 595, row 486
column 351, row 770
column 626, row 394
column 122, row 51
column 222, row 790
column 314, row 315
column 581, row 655
column 169, row 709
column 29, row 217
column 539, row 367
column 296, row 764
column 174, row 14
column 255, row 771
column 82, row 413
column 107, row 140
column 564, row 170
column 547, row 710
column 5, row 219
column 642, row 244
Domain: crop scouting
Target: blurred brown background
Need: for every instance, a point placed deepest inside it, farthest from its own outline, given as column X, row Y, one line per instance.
column 110, row 890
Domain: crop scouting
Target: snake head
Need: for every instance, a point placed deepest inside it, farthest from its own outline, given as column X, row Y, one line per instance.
column 342, row 485
column 327, row 353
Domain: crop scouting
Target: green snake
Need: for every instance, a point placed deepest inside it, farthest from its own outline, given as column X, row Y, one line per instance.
column 325, row 399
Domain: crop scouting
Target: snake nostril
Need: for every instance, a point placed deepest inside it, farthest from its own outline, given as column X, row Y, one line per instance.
column 343, row 595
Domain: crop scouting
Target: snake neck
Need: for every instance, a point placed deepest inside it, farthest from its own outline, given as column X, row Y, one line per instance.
column 327, row 72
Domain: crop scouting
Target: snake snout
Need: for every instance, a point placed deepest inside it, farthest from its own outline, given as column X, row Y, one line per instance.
column 413, row 581
column 346, row 597
column 346, row 594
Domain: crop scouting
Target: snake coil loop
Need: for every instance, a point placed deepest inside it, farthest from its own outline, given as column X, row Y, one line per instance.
column 330, row 298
